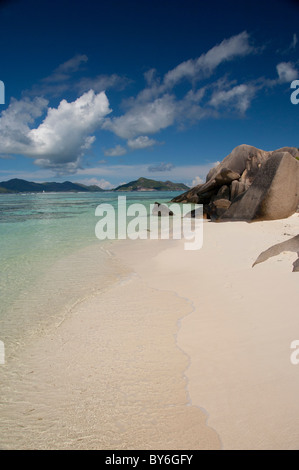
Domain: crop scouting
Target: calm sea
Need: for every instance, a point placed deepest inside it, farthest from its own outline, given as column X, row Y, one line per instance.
column 50, row 257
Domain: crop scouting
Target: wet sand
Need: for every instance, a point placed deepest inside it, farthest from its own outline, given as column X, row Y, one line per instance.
column 185, row 350
column 109, row 376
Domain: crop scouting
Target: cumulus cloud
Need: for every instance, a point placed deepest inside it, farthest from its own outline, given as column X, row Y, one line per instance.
column 116, row 151
column 68, row 131
column 141, row 142
column 160, row 167
column 15, row 124
column 62, row 138
column 286, row 72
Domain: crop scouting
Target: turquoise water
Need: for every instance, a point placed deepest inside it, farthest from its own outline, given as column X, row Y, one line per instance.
column 42, row 257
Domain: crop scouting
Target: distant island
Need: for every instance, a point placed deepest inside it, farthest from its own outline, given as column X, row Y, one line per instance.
column 142, row 184
column 22, row 186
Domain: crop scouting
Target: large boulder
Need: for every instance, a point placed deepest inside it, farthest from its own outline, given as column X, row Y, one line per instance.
column 241, row 158
column 232, row 178
column 274, row 193
column 244, row 157
column 188, row 196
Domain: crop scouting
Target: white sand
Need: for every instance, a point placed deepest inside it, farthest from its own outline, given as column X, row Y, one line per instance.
column 238, row 336
column 110, row 376
column 190, row 352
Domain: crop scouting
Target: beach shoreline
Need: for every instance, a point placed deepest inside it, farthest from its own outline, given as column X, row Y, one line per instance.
column 109, row 375
column 239, row 334
column 188, row 350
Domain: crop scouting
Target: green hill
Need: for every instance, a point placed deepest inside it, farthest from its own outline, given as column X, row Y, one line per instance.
column 144, row 184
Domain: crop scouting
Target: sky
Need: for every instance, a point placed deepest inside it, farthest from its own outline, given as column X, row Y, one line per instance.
column 104, row 92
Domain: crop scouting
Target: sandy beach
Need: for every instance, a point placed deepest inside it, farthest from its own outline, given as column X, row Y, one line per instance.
column 149, row 227
column 239, row 333
column 187, row 350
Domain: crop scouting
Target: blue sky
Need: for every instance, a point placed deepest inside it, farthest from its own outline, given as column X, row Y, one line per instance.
column 103, row 92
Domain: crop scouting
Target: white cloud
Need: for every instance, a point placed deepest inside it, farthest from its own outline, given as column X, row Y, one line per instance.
column 64, row 135
column 64, row 70
column 131, row 172
column 286, row 72
column 197, row 180
column 102, row 183
column 239, row 97
column 155, row 109
column 150, row 76
column 160, row 167
column 141, row 142
column 228, row 49
column 15, row 122
column 61, row 80
column 116, row 151
column 144, row 118
column 102, row 83
column 62, row 138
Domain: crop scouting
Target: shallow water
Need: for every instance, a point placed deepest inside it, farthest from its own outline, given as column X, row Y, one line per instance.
column 50, row 257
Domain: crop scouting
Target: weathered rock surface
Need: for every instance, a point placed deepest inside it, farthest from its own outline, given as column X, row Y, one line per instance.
column 226, row 176
column 244, row 157
column 274, row 193
column 237, row 188
column 218, row 207
column 234, row 176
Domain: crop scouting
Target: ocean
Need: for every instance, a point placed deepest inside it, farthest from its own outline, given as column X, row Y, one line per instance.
column 50, row 257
